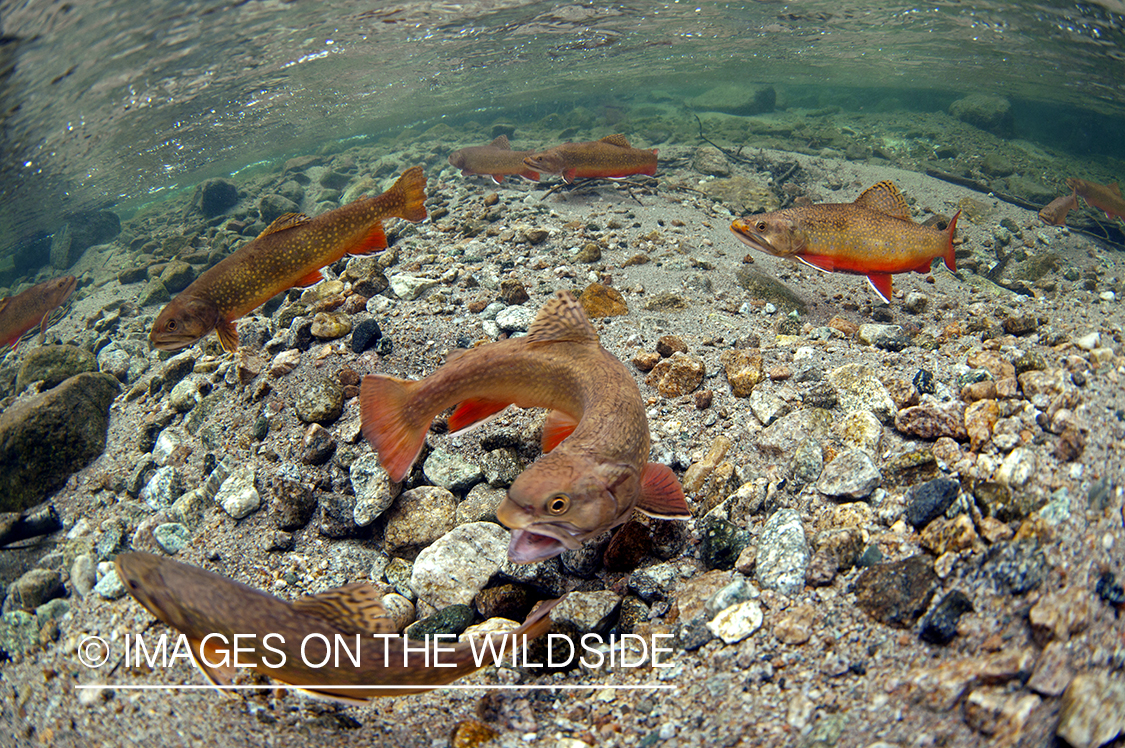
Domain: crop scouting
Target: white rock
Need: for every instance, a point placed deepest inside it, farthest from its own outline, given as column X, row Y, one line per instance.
column 237, row 496
column 409, row 287
column 737, row 622
column 374, row 489
column 459, row 564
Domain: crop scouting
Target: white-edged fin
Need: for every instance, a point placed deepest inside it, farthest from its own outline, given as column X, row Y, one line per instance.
column 826, row 265
column 218, row 676
column 355, row 608
column 881, row 285
column 561, row 320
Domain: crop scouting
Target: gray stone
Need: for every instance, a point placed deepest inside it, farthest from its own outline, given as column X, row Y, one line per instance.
column 766, row 406
column 163, row 488
column 711, row 161
column 787, row 432
column 83, row 574
column 852, row 475
column 110, row 586
column 808, row 461
column 887, row 337
column 897, row 593
column 215, row 196
column 928, row 501
column 154, row 292
column 858, row 388
column 177, row 367
column 656, row 582
column 319, row 401
column 992, row 113
column 374, row 489
column 34, row 588
column 184, row 396
column 515, row 318
column 417, row 518
column 587, row 611
column 19, row 632
column 337, row 516
column 270, row 207
column 450, row 471
column 172, row 537
column 501, row 466
column 238, row 496
column 409, row 287
column 115, row 361
column 458, row 565
column 783, row 553
column 54, row 364
column 177, row 275
column 479, row 505
column 740, row 99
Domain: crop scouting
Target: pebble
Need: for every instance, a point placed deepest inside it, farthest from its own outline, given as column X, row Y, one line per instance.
column 317, row 445
column 184, row 396
column 110, row 585
column 479, row 505
column 163, row 488
column 330, row 325
column 852, row 475
column 677, row 375
column 929, row 500
column 1093, row 710
column 994, row 710
column 886, row 337
column 450, row 620
column 1015, row 567
column 408, row 287
column 35, row 587
column 418, row 518
column 337, row 515
column 450, row 471
column 940, row 687
column 319, row 401
column 916, row 302
column 602, row 301
column 83, row 574
column 1062, row 614
column 931, row 419
column 940, row 624
column 808, row 461
column 628, row 547
column 783, row 553
column 1052, row 671
column 656, row 582
column 721, row 542
column 782, row 437
column 737, row 622
column 1089, row 341
column 515, row 319
column 365, row 334
column 858, row 388
column 501, row 466
column 587, row 611
column 373, row 488
column 795, row 625
column 457, row 566
column 237, row 495
column 743, row 369
column 291, row 503
column 766, row 406
column 860, row 429
column 897, row 593
column 284, row 362
column 172, row 537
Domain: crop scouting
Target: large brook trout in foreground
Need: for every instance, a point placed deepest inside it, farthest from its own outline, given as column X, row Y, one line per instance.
column 596, row 470
column 285, row 640
column 290, row 252
column 874, row 236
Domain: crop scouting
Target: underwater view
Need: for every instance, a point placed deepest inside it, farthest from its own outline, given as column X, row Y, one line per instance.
column 528, row 374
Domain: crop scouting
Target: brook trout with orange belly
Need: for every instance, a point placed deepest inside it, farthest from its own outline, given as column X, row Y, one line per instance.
column 611, row 157
column 596, row 475
column 1105, row 197
column 32, row 308
column 280, row 639
column 497, row 160
column 290, row 252
column 874, row 236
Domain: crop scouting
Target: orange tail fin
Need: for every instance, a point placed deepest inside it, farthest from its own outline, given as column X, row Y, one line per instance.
column 950, row 258
column 412, row 185
column 382, row 411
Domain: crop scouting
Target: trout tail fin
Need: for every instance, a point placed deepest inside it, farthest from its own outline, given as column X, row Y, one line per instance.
column 949, row 257
column 383, row 417
column 412, row 186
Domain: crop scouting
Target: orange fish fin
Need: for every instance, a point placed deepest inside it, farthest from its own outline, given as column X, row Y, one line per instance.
column 885, row 198
column 561, row 320
column 222, row 675
column 375, row 241
column 227, row 330
column 823, row 264
column 283, row 222
column 411, row 187
column 355, row 608
column 474, row 412
column 950, row 256
column 497, row 178
column 568, row 175
column 557, row 427
column 881, row 283
column 618, row 140
column 529, row 174
column 311, row 279
column 661, row 494
column 383, row 402
column 502, row 143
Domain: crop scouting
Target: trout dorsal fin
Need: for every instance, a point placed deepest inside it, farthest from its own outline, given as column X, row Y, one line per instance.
column 285, row 221
column 502, row 143
column 618, row 140
column 355, row 608
column 561, row 320
column 884, row 197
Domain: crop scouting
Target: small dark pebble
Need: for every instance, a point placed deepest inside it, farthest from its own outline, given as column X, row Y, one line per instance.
column 897, row 593
column 452, row 620
column 720, row 543
column 882, row 314
column 870, row 557
column 1108, row 590
column 365, row 334
column 940, row 624
column 924, row 382
column 928, row 501
column 337, row 516
column 384, row 347
column 1015, row 567
column 509, row 601
column 512, row 291
column 703, row 399
column 261, row 428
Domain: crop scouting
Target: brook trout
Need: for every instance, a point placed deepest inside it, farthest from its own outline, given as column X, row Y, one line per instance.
column 497, row 160
column 290, row 252
column 1054, row 212
column 611, row 157
column 1106, row 197
column 33, row 307
column 596, row 470
column 210, row 610
column 874, row 236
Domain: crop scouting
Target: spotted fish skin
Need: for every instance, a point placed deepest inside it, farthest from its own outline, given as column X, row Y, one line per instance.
column 32, row 308
column 290, row 252
column 611, row 157
column 199, row 603
column 873, row 236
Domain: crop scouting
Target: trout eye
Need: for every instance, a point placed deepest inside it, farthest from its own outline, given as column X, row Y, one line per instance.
column 761, row 226
column 171, row 325
column 558, row 504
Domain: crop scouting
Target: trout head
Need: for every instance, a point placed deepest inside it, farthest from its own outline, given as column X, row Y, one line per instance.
column 142, row 575
column 58, row 290
column 458, row 159
column 775, row 233
column 184, row 321
column 548, row 161
column 564, row 500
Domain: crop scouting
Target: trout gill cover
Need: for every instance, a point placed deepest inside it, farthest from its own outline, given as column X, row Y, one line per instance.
column 290, row 252
column 596, row 470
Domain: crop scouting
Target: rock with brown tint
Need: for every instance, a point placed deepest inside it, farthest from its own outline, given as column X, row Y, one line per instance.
column 950, row 535
column 845, row 326
column 512, row 291
column 897, row 593
column 997, row 711
column 698, row 472
column 995, row 531
column 628, row 547
column 1093, row 710
column 780, row 373
column 795, row 625
column 931, row 419
column 471, row 733
column 677, row 375
column 1060, row 614
column 669, row 344
column 703, row 399
column 985, row 390
column 940, row 687
column 980, row 417
column 743, row 368
column 602, row 301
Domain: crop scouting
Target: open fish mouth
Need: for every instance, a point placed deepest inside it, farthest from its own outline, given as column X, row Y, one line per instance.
column 546, row 541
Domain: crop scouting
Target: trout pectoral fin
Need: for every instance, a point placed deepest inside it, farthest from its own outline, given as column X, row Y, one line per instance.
column 375, row 241
column 497, row 178
column 529, row 174
column 881, row 283
column 556, row 428
column 202, row 656
column 312, row 278
column 661, row 494
column 227, row 330
column 824, row 264
column 474, row 412
column 355, row 608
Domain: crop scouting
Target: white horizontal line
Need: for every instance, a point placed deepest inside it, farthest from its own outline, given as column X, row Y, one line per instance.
column 155, row 687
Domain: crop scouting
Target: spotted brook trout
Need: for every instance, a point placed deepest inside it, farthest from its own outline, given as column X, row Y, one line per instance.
column 32, row 308
column 873, row 236
column 1104, row 197
column 290, row 252
column 611, row 157
column 1054, row 212
column 497, row 160
column 595, row 471
column 210, row 610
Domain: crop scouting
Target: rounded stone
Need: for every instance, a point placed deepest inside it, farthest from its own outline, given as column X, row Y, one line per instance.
column 365, row 334
column 330, row 325
column 458, row 565
column 320, row 401
column 852, row 475
column 172, row 537
column 783, row 553
column 418, row 518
